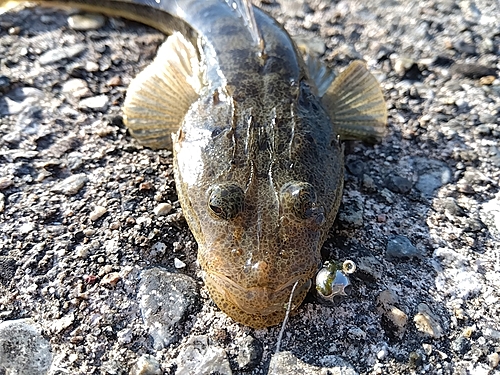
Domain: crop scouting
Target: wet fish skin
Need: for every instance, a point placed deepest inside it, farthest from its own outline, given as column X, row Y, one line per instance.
column 257, row 152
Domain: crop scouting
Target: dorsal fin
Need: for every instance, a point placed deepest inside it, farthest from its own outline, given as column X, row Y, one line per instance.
column 245, row 9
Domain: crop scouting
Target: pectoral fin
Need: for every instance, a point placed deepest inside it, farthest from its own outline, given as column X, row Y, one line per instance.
column 319, row 73
column 356, row 104
column 160, row 96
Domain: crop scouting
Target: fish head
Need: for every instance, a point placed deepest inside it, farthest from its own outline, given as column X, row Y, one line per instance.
column 259, row 200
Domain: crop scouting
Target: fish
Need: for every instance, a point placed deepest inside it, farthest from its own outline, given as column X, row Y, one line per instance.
column 257, row 133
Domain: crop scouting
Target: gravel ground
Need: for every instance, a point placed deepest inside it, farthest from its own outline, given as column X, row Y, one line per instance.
column 94, row 247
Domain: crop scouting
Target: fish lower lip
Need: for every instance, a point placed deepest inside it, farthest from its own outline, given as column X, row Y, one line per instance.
column 259, row 300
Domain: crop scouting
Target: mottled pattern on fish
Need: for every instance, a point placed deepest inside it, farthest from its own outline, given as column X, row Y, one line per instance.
column 258, row 162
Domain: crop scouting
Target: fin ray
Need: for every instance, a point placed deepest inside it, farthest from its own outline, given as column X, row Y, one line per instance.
column 160, row 96
column 319, row 73
column 356, row 104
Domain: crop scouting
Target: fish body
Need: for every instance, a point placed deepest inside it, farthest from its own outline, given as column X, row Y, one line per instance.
column 255, row 133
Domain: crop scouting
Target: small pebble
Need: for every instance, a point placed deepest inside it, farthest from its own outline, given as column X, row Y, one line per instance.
column 114, row 81
column 62, row 53
column 6, row 182
column 165, row 300
column 287, row 363
column 2, row 202
column 382, row 353
column 162, row 209
column 427, row 348
column 125, row 336
column 76, row 87
column 460, row 345
column 371, row 267
column 394, row 320
column 91, row 66
column 199, row 356
column 368, row 182
column 146, row 365
column 351, row 213
column 403, row 64
column 249, row 353
column 179, row 263
column 493, row 359
column 59, row 325
column 145, row 186
column 23, row 350
column 427, row 323
column 432, row 174
column 87, row 21
column 473, row 71
column 111, row 279
column 398, row 184
column 71, row 185
column 19, row 99
column 356, row 332
column 97, row 103
column 401, row 247
column 415, row 360
column 97, row 213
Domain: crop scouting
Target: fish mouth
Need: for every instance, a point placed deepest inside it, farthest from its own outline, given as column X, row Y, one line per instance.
column 261, row 300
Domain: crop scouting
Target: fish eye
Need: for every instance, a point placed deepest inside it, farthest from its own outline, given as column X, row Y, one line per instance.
column 300, row 198
column 225, row 201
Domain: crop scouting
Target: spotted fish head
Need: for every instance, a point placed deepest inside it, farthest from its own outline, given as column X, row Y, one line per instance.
column 260, row 214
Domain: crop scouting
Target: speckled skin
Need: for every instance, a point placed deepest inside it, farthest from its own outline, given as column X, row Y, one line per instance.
column 257, row 125
column 262, row 129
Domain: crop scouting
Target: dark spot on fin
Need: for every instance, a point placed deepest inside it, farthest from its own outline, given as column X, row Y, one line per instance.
column 160, row 96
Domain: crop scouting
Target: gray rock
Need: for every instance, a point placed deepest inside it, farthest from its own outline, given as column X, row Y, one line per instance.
column 452, row 209
column 471, row 70
column 393, row 319
column 87, row 21
column 432, row 174
column 146, row 365
column 165, row 299
column 249, row 353
column 2, row 202
column 28, row 121
column 355, row 167
column 23, row 350
column 401, row 247
column 74, row 160
column 162, row 209
column 371, row 267
column 351, row 212
column 294, row 8
column 19, row 99
column 457, row 278
column 71, row 185
column 96, row 103
column 198, row 356
column 490, row 215
column 427, row 322
column 8, row 266
column 76, row 88
column 398, row 184
column 460, row 345
column 62, row 53
column 287, row 363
